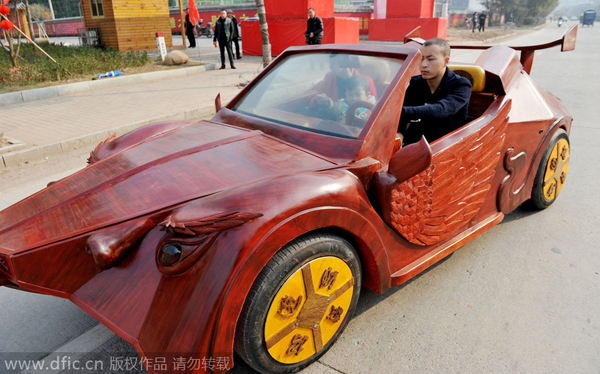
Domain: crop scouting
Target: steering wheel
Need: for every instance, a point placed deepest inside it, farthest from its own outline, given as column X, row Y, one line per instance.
column 352, row 119
column 334, row 127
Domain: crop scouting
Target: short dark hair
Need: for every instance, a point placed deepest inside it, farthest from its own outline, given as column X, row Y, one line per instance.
column 358, row 81
column 313, row 9
column 444, row 46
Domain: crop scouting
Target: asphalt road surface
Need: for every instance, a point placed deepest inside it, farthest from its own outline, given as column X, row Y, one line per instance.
column 521, row 298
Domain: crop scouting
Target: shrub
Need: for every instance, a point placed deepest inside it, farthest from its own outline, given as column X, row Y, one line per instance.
column 73, row 62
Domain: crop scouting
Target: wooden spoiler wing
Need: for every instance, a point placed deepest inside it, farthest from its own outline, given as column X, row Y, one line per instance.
column 567, row 43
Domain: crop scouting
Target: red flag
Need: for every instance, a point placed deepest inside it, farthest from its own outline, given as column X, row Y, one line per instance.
column 194, row 15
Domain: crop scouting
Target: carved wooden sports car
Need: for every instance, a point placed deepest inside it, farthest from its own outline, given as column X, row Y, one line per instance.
column 255, row 230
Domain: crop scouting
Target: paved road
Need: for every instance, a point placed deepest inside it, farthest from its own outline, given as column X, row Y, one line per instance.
column 521, row 298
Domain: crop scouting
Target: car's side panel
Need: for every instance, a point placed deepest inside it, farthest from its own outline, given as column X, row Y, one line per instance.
column 535, row 116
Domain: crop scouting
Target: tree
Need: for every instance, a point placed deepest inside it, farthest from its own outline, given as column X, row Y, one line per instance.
column 520, row 11
column 39, row 13
column 8, row 29
column 264, row 30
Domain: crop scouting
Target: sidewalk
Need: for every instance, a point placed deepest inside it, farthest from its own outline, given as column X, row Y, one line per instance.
column 59, row 123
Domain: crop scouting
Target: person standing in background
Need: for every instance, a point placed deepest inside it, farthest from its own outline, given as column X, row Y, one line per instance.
column 474, row 21
column 236, row 33
column 223, row 33
column 482, row 17
column 314, row 28
column 189, row 29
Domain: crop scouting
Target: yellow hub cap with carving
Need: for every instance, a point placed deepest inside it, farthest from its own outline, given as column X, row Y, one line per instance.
column 308, row 309
column 556, row 170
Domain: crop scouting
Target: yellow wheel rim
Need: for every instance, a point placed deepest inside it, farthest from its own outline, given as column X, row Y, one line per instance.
column 308, row 309
column 556, row 170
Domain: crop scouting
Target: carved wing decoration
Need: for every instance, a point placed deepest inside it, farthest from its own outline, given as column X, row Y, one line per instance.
column 209, row 224
column 436, row 203
column 94, row 154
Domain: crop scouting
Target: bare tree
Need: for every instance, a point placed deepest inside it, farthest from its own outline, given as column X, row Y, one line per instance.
column 12, row 49
column 264, row 30
column 39, row 12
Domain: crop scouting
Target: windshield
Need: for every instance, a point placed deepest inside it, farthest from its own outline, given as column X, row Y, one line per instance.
column 328, row 93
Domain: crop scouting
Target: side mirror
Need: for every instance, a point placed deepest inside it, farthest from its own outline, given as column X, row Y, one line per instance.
column 410, row 160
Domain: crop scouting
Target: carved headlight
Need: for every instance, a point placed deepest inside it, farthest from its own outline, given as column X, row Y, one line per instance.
column 169, row 254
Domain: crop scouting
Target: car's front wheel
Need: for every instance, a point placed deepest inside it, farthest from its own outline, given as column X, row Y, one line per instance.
column 552, row 172
column 299, row 304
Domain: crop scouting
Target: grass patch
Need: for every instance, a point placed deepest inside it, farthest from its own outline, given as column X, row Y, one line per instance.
column 74, row 63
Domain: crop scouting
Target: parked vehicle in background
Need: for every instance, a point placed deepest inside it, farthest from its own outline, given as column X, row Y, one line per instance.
column 588, row 18
column 204, row 30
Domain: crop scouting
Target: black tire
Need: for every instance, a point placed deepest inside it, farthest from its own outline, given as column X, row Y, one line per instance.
column 550, row 178
column 286, row 273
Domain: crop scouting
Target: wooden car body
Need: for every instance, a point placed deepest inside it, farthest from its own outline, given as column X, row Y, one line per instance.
column 234, row 190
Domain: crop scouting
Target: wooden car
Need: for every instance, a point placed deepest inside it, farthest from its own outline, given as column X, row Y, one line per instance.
column 255, row 230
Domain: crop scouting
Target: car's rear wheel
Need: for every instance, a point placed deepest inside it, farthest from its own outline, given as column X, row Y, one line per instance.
column 552, row 172
column 299, row 304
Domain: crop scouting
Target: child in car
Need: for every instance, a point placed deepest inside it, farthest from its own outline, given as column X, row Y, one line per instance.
column 357, row 90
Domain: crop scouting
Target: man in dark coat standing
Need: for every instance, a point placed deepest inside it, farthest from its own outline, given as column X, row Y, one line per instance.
column 236, row 33
column 314, row 28
column 482, row 18
column 189, row 29
column 224, row 33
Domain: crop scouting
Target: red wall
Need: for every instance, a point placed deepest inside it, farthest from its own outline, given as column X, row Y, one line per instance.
column 409, row 9
column 395, row 29
column 364, row 18
column 291, row 33
column 278, row 9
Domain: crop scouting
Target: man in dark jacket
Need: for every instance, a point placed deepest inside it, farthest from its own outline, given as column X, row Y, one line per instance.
column 482, row 18
column 224, row 33
column 189, row 29
column 236, row 33
column 436, row 102
column 314, row 28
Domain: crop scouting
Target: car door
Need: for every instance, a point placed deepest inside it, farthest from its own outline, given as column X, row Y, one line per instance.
column 428, row 202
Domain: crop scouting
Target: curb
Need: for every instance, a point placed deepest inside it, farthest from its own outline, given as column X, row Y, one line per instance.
column 72, row 88
column 35, row 153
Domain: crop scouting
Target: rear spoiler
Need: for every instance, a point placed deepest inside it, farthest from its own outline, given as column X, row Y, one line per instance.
column 567, row 43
